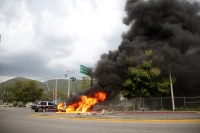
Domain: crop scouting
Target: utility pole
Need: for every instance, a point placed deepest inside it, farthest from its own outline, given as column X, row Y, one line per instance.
column 171, row 86
column 53, row 94
column 48, row 90
column 56, row 92
column 74, row 79
column 68, row 84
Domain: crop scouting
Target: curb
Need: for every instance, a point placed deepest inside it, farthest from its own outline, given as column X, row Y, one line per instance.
column 155, row 112
column 117, row 119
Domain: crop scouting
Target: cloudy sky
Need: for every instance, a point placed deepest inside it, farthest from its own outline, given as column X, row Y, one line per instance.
column 41, row 39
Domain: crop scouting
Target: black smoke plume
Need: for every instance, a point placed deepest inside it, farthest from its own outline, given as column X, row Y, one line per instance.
column 172, row 29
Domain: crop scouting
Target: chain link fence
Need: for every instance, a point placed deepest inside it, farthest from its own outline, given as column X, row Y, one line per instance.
column 159, row 103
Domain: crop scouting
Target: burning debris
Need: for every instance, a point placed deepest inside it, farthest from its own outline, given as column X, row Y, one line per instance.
column 90, row 113
column 82, row 106
column 103, row 112
column 171, row 28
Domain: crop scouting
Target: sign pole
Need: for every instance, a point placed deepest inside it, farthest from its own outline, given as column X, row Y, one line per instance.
column 87, row 71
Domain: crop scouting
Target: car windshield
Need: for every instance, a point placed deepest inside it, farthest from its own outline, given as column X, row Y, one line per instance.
column 42, row 103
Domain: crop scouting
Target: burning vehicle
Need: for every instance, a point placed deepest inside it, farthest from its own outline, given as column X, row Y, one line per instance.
column 84, row 104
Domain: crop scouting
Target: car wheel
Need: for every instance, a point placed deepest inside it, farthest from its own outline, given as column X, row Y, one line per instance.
column 36, row 110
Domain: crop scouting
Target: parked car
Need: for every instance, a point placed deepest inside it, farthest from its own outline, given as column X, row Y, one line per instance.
column 44, row 106
column 6, row 105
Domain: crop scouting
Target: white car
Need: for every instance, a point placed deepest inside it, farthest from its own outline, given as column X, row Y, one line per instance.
column 6, row 105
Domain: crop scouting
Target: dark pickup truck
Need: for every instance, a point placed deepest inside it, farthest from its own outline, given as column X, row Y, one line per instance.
column 44, row 106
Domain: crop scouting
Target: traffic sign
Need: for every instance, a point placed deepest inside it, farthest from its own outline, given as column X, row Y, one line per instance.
column 85, row 70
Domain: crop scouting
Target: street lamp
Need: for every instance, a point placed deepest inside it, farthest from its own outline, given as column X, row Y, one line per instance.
column 68, row 75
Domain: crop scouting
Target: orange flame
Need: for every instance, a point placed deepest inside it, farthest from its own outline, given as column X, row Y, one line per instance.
column 85, row 103
column 60, row 106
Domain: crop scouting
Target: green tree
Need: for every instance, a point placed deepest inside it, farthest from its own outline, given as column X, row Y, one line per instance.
column 7, row 94
column 143, row 79
column 27, row 91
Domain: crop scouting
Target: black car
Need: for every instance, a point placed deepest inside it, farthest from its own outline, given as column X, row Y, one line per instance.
column 44, row 106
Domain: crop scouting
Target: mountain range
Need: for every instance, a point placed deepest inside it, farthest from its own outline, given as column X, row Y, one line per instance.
column 62, row 84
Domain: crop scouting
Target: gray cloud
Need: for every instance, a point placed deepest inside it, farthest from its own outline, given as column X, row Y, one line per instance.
column 46, row 38
column 10, row 11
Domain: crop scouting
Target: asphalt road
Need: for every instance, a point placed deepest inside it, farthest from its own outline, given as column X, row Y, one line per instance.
column 24, row 120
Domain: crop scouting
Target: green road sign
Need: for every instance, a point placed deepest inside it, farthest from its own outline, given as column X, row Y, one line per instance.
column 85, row 70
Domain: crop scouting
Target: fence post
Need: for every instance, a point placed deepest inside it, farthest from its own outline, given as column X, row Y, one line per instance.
column 125, row 104
column 184, row 103
column 161, row 103
column 143, row 103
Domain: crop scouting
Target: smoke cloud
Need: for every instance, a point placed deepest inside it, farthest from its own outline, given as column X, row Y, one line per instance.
column 172, row 29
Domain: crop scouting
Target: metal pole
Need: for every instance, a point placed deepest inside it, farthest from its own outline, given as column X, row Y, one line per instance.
column 56, row 92
column 53, row 94
column 68, row 84
column 74, row 80
column 143, row 103
column 171, row 86
column 184, row 103
column 71, row 85
column 48, row 90
column 126, row 104
column 161, row 103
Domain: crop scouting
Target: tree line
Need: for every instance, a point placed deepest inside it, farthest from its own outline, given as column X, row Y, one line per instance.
column 29, row 91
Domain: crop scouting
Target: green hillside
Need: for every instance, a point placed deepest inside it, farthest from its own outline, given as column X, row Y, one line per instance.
column 62, row 84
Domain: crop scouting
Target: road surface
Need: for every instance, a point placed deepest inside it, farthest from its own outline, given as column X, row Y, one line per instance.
column 25, row 120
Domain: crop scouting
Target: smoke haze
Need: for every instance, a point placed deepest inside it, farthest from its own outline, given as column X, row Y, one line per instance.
column 172, row 29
